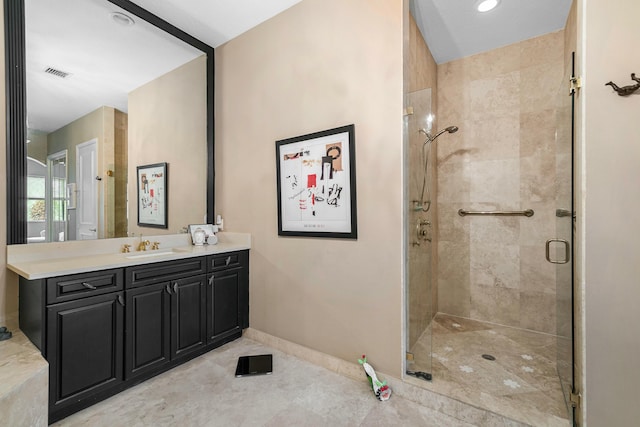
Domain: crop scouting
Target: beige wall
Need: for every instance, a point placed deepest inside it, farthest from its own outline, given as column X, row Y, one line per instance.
column 503, row 158
column 609, row 223
column 318, row 65
column 167, row 123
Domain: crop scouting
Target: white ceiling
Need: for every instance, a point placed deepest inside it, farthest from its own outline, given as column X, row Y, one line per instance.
column 454, row 29
column 70, row 35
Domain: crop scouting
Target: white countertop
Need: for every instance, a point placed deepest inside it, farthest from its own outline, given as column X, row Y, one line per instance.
column 42, row 260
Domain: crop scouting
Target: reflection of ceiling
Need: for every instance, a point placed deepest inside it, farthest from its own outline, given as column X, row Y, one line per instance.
column 216, row 22
column 107, row 60
column 454, row 29
column 75, row 42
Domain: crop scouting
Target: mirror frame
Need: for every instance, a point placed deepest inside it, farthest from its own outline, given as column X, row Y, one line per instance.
column 16, row 110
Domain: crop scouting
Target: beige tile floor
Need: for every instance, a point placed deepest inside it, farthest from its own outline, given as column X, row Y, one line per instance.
column 205, row 392
column 522, row 383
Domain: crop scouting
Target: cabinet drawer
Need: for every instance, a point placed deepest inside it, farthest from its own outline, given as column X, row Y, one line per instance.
column 147, row 274
column 67, row 288
column 222, row 261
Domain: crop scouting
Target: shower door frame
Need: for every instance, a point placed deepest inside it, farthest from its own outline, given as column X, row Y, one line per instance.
column 565, row 233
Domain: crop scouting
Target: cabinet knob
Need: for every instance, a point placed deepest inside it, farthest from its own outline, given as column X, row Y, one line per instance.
column 227, row 261
column 211, row 280
column 167, row 288
column 88, row 285
column 175, row 287
column 121, row 300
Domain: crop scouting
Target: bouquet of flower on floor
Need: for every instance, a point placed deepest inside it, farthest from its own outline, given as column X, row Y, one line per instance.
column 381, row 389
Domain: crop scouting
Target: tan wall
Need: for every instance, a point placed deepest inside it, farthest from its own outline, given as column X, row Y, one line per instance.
column 118, row 190
column 37, row 148
column 167, row 123
column 318, row 65
column 608, row 220
column 84, row 129
column 421, row 98
column 422, row 66
column 503, row 158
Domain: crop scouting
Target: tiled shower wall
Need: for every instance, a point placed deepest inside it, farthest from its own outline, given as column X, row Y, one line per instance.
column 503, row 158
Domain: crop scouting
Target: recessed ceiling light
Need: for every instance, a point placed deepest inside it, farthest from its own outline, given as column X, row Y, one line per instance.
column 121, row 18
column 487, row 5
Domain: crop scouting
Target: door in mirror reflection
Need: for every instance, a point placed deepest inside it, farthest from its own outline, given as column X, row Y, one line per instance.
column 87, row 185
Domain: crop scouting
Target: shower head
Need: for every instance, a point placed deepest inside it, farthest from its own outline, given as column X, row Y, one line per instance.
column 450, row 129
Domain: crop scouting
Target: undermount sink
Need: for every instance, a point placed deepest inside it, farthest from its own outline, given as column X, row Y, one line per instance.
column 155, row 253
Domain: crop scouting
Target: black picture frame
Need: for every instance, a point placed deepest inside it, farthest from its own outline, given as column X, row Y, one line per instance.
column 153, row 195
column 316, row 184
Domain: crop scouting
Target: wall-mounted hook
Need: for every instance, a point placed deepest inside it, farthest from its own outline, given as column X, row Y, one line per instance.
column 626, row 90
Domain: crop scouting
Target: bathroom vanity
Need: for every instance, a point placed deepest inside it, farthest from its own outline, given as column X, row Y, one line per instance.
column 106, row 321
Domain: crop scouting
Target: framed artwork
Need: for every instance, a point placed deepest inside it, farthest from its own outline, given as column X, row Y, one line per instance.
column 316, row 178
column 152, row 195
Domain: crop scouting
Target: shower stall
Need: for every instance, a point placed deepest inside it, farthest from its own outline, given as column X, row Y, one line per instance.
column 488, row 226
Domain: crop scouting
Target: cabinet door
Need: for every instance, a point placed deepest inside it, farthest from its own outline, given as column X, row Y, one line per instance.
column 84, row 348
column 223, row 305
column 148, row 329
column 188, row 322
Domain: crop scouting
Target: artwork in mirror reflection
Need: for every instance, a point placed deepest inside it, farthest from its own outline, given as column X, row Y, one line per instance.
column 83, row 68
column 152, row 195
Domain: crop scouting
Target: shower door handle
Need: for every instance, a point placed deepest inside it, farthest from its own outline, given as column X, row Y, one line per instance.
column 560, row 213
column 567, row 251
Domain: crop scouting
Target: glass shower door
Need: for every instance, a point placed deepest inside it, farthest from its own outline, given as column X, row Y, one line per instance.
column 419, row 240
column 559, row 250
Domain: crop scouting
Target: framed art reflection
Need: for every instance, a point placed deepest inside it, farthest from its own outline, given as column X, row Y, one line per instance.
column 152, row 195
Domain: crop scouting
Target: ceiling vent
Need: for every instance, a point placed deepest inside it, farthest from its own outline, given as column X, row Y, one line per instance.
column 57, row 73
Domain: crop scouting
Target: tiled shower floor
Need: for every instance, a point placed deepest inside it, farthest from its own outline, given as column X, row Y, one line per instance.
column 521, row 383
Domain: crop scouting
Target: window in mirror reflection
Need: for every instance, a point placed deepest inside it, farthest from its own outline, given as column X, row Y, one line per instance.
column 36, row 215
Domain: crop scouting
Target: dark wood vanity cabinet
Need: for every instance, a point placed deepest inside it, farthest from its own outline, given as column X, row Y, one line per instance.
column 166, row 321
column 81, row 333
column 227, row 295
column 108, row 330
column 148, row 346
column 85, row 341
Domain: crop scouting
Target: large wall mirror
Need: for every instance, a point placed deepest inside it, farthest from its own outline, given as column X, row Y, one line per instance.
column 96, row 88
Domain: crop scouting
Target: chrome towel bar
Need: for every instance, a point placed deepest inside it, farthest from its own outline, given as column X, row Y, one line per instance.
column 527, row 213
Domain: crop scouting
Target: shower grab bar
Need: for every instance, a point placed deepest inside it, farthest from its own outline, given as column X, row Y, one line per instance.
column 527, row 213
